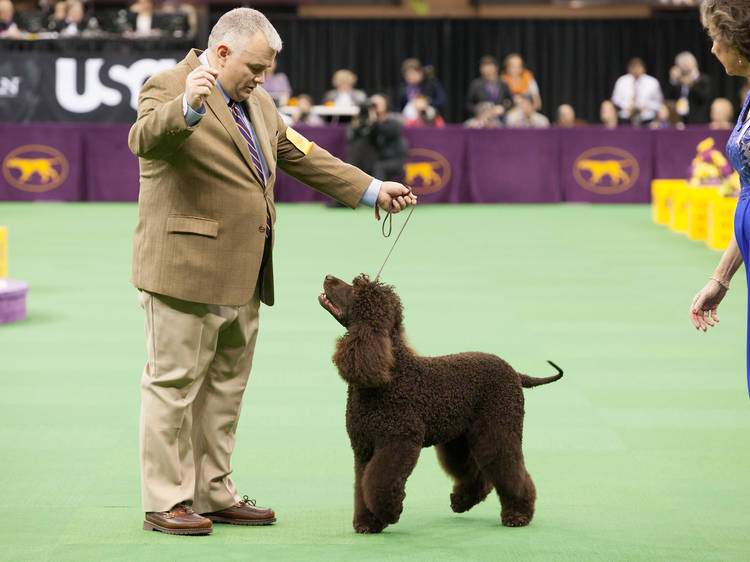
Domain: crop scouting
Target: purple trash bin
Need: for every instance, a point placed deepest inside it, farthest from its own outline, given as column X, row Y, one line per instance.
column 12, row 300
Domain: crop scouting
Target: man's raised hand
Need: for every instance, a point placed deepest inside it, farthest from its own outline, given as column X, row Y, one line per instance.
column 198, row 86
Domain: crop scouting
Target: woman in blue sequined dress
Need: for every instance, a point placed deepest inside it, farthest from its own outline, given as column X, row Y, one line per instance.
column 728, row 24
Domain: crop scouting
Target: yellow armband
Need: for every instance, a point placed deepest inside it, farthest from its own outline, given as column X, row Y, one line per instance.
column 300, row 142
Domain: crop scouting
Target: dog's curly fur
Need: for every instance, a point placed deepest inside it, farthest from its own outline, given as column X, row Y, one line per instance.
column 470, row 406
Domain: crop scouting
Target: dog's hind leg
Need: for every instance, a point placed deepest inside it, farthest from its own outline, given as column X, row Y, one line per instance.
column 471, row 486
column 385, row 477
column 364, row 519
column 500, row 458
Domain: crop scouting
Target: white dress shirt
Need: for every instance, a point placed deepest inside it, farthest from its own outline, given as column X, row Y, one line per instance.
column 646, row 92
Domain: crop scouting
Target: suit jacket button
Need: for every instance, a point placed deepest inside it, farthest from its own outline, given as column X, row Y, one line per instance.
column 262, row 229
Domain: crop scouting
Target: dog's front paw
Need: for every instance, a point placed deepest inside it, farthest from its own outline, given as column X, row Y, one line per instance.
column 367, row 523
column 368, row 530
column 369, row 527
column 462, row 502
column 515, row 520
column 464, row 498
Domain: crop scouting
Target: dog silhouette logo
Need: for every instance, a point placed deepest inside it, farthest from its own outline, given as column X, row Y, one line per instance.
column 35, row 167
column 606, row 170
column 427, row 171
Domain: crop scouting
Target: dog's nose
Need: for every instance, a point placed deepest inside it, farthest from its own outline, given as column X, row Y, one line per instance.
column 330, row 278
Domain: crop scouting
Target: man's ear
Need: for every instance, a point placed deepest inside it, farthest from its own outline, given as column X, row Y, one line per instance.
column 363, row 357
column 222, row 54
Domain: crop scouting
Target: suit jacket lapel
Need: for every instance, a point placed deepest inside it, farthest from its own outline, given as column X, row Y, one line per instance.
column 220, row 109
column 256, row 116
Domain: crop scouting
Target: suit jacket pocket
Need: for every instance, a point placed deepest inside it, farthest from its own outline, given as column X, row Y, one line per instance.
column 193, row 225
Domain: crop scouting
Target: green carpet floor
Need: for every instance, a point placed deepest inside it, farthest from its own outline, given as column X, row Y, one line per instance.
column 641, row 452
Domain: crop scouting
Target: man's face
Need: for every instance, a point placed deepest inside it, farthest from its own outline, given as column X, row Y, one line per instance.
column 566, row 117
column 413, row 76
column 636, row 70
column 380, row 104
column 241, row 70
column 75, row 12
column 488, row 71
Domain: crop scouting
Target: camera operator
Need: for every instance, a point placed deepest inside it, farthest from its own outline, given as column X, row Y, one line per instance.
column 425, row 114
column 690, row 88
column 375, row 142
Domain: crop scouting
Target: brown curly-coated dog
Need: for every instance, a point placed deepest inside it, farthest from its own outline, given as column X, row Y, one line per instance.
column 469, row 405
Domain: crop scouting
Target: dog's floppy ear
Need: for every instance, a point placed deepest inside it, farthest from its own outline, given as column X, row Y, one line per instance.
column 364, row 357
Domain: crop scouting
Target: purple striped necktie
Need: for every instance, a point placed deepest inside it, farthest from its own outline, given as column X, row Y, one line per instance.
column 234, row 107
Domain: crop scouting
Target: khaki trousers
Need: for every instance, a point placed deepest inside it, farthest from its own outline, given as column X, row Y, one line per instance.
column 199, row 359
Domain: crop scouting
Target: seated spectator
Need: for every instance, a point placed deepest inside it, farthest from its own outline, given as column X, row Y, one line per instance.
column 608, row 115
column 426, row 115
column 186, row 9
column 690, row 88
column 419, row 80
column 143, row 10
column 661, row 121
column 303, row 115
column 277, row 85
column 520, row 80
column 637, row 95
column 8, row 27
column 344, row 95
column 523, row 115
column 488, row 88
column 488, row 116
column 58, row 16
column 722, row 114
column 74, row 21
column 566, row 116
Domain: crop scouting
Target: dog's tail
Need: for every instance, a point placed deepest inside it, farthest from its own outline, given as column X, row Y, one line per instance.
column 529, row 382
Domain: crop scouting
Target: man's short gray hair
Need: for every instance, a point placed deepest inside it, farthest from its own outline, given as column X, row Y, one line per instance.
column 236, row 26
column 686, row 58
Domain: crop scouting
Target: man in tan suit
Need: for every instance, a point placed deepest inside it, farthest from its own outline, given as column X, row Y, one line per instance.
column 209, row 142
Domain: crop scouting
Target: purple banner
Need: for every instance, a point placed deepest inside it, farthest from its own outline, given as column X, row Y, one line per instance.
column 676, row 149
column 514, row 166
column 607, row 166
column 74, row 162
column 111, row 169
column 41, row 163
column 435, row 166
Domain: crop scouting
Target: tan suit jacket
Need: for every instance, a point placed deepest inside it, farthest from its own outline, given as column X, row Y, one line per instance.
column 202, row 207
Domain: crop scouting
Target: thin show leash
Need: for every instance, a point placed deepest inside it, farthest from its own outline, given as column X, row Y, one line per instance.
column 388, row 221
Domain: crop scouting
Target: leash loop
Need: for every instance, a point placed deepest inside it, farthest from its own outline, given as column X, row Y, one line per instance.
column 389, row 221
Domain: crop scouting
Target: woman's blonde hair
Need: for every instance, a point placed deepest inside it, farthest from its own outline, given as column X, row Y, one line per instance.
column 343, row 76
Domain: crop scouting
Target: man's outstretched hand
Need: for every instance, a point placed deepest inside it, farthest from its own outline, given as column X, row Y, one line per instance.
column 395, row 197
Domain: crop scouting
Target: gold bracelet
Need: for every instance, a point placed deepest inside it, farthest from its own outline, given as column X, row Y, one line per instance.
column 726, row 286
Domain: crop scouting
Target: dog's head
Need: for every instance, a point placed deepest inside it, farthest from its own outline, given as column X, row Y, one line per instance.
column 371, row 312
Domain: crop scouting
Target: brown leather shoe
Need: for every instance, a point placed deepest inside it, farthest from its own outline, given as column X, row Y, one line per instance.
column 180, row 520
column 244, row 512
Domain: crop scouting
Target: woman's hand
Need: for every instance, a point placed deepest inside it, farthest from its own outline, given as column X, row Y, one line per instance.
column 703, row 310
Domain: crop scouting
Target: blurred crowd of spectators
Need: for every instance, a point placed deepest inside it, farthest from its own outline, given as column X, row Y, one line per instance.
column 507, row 95
column 502, row 95
column 71, row 18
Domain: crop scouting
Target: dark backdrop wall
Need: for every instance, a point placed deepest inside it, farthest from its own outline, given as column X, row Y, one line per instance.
column 575, row 61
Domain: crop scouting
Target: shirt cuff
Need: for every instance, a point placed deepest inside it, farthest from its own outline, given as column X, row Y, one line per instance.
column 191, row 116
column 370, row 198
